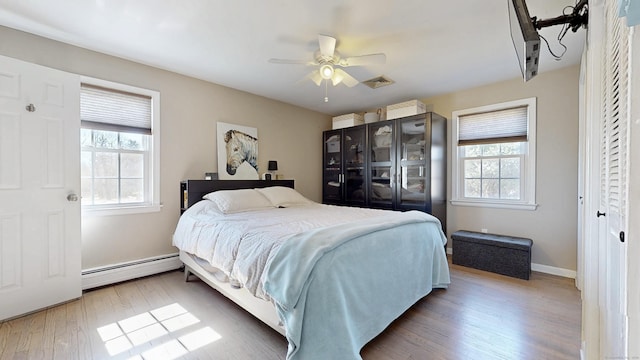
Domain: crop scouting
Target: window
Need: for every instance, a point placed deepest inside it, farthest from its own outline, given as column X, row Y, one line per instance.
column 494, row 162
column 119, row 139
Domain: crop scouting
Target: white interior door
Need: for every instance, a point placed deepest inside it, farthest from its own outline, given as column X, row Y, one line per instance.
column 614, row 188
column 39, row 176
column 633, row 246
column 614, row 295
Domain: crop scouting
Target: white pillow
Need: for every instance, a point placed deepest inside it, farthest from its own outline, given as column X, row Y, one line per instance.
column 233, row 201
column 281, row 196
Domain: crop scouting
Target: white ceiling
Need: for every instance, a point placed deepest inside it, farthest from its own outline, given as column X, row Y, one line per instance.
column 432, row 47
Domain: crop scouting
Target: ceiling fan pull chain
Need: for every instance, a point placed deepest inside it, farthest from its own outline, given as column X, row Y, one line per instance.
column 326, row 96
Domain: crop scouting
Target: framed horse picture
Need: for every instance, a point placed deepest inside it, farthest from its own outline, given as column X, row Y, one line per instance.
column 237, row 152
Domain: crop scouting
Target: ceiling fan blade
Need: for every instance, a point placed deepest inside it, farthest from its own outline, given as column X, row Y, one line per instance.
column 315, row 77
column 327, row 46
column 370, row 59
column 340, row 75
column 289, row 61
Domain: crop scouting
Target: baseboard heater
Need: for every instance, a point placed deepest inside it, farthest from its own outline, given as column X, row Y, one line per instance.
column 115, row 273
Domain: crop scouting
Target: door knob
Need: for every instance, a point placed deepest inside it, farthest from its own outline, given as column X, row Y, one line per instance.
column 72, row 197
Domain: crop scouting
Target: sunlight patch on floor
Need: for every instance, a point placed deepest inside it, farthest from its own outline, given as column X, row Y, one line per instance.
column 149, row 327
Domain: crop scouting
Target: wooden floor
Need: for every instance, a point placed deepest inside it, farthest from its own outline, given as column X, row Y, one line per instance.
column 480, row 316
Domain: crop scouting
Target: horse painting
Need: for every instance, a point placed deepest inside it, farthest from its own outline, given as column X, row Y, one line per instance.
column 241, row 147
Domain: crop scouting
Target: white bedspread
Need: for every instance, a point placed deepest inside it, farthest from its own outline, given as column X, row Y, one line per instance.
column 242, row 244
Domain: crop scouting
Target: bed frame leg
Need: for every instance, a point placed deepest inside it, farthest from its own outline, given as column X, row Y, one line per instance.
column 187, row 272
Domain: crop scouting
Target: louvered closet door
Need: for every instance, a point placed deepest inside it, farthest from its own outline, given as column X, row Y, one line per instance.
column 614, row 187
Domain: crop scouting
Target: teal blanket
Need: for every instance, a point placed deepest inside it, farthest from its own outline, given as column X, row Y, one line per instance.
column 336, row 288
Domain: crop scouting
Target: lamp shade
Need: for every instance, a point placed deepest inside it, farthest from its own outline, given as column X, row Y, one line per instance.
column 273, row 165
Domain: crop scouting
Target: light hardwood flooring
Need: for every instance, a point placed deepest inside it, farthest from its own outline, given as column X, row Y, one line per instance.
column 481, row 316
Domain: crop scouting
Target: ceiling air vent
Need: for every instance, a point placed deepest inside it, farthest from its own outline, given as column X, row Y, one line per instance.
column 378, row 82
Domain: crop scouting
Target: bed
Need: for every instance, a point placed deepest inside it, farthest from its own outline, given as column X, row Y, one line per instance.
column 329, row 278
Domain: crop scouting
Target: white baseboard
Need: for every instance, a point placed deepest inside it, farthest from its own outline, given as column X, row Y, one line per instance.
column 111, row 274
column 553, row 270
column 544, row 269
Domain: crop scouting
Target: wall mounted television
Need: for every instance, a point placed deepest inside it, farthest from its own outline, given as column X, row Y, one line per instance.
column 525, row 38
column 524, row 32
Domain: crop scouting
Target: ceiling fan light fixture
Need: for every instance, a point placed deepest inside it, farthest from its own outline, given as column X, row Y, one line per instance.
column 326, row 71
column 328, row 64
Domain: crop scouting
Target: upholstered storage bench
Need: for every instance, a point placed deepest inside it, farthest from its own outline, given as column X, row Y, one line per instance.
column 506, row 255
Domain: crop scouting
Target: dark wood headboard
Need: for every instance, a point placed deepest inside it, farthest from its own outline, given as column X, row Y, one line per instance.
column 192, row 191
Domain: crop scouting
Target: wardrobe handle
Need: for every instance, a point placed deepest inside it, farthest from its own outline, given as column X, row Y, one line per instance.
column 598, row 214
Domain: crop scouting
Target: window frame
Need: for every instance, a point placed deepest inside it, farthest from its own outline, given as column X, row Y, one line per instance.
column 152, row 171
column 528, row 169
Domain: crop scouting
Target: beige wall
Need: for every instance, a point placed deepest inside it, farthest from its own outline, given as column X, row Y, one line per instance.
column 553, row 226
column 189, row 111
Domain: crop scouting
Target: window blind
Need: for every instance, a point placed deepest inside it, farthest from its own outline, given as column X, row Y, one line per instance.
column 507, row 125
column 114, row 110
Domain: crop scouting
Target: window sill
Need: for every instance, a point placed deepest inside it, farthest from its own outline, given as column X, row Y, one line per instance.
column 493, row 204
column 121, row 210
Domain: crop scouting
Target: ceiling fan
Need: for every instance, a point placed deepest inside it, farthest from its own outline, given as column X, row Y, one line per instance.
column 329, row 62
